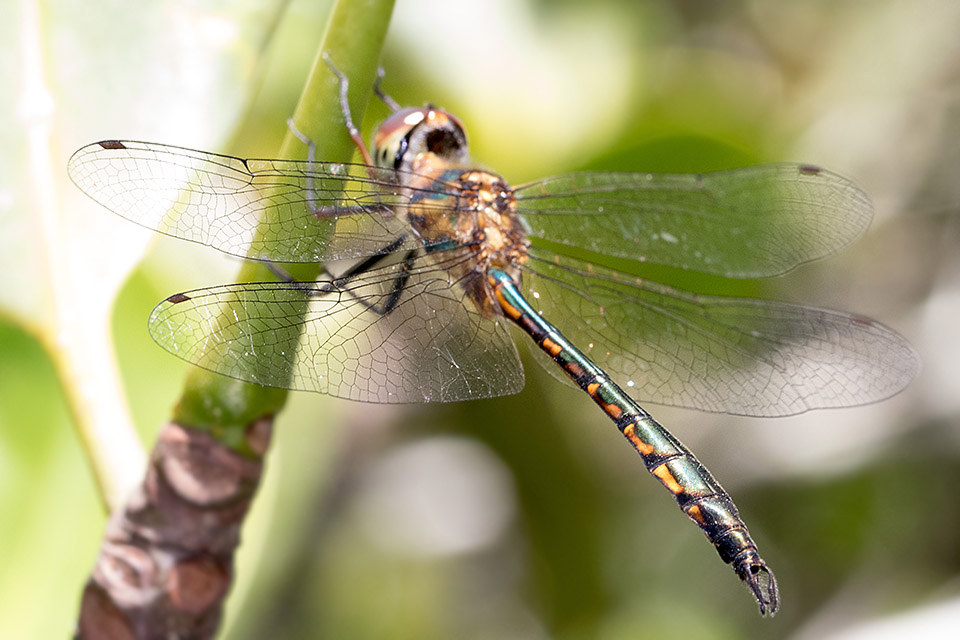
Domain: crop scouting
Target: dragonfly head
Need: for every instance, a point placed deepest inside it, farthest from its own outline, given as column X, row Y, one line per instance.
column 411, row 135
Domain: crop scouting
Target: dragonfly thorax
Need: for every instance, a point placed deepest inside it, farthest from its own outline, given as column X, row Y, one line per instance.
column 475, row 210
column 450, row 205
column 498, row 235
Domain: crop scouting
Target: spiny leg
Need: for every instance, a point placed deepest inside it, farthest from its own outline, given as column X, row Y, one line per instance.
column 371, row 262
column 368, row 264
column 311, row 159
column 336, row 283
column 399, row 285
column 392, row 104
column 328, row 211
column 345, row 110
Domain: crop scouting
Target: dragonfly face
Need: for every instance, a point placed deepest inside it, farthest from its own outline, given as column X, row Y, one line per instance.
column 406, row 138
column 449, row 204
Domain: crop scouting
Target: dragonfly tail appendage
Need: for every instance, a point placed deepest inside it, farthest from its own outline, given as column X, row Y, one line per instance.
column 698, row 494
column 717, row 516
column 760, row 579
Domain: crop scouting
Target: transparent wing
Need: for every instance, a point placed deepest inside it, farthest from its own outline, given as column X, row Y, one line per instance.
column 335, row 337
column 740, row 356
column 278, row 210
column 745, row 223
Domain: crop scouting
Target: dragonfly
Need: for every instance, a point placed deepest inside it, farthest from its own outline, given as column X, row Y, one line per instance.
column 429, row 259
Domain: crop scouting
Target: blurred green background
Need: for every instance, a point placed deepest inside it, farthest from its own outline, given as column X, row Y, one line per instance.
column 527, row 516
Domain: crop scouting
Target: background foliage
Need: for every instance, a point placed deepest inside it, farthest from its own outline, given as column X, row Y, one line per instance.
column 523, row 517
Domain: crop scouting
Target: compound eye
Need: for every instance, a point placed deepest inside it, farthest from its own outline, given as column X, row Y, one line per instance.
column 444, row 142
column 392, row 137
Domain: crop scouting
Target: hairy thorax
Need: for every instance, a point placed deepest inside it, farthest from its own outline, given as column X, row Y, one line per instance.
column 476, row 209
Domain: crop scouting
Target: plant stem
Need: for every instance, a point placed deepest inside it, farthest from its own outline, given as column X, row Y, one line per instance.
column 353, row 40
column 166, row 563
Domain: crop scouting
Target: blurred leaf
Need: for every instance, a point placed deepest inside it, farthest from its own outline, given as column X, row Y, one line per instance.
column 152, row 70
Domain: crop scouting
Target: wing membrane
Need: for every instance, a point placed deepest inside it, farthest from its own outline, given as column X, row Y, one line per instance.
column 740, row 356
column 331, row 337
column 278, row 210
column 408, row 332
column 745, row 223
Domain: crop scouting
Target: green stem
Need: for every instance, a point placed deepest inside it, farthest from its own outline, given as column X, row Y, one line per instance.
column 353, row 40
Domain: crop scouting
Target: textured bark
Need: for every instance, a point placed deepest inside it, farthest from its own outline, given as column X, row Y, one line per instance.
column 167, row 559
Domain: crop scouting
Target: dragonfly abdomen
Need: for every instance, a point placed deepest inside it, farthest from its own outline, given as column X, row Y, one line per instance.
column 697, row 492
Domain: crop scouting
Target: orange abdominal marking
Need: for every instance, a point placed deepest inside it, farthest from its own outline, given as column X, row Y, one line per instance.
column 551, row 347
column 696, row 514
column 612, row 410
column 642, row 447
column 573, row 369
column 664, row 475
column 507, row 308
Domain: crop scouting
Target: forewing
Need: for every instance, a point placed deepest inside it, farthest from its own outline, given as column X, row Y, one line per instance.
column 744, row 223
column 739, row 356
column 334, row 337
column 278, row 210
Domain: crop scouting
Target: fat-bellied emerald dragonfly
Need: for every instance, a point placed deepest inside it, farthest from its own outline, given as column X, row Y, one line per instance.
column 430, row 259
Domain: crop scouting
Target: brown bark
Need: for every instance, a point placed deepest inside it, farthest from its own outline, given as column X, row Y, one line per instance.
column 167, row 559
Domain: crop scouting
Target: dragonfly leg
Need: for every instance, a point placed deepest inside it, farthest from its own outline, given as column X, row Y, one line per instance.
column 309, row 288
column 345, row 110
column 400, row 283
column 385, row 98
column 282, row 274
column 372, row 261
column 302, row 137
column 311, row 158
column 337, row 283
column 326, row 211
